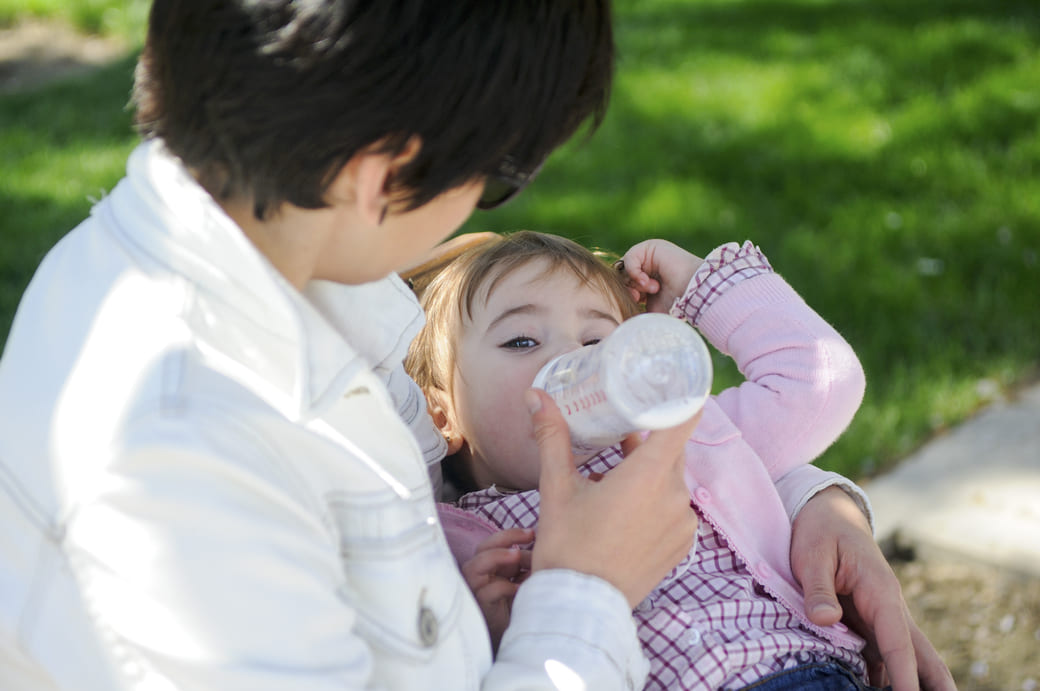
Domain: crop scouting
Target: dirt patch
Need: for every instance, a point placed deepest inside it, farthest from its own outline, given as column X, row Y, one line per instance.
column 33, row 53
column 983, row 620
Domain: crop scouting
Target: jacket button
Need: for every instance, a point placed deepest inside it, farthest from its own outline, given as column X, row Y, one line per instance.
column 427, row 627
column 702, row 494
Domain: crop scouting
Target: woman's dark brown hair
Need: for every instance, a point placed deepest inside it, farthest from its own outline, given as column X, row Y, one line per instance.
column 269, row 99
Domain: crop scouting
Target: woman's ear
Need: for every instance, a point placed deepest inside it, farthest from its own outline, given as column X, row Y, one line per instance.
column 367, row 177
column 438, row 403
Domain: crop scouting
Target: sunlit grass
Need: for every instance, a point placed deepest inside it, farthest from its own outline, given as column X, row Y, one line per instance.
column 60, row 147
column 120, row 18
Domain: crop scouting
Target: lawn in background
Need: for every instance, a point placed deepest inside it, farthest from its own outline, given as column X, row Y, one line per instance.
column 121, row 18
column 884, row 154
column 62, row 144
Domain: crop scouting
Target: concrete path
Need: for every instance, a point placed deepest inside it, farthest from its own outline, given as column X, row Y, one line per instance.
column 974, row 492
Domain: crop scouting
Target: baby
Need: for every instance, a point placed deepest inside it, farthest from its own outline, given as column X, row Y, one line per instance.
column 731, row 614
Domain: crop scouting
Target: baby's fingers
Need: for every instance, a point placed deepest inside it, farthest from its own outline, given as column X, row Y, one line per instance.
column 507, row 538
column 639, row 282
column 496, row 591
column 491, row 564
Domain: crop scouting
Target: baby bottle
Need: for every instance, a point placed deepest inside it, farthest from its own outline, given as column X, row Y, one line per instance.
column 652, row 372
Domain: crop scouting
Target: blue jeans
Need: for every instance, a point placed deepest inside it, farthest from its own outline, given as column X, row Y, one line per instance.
column 816, row 676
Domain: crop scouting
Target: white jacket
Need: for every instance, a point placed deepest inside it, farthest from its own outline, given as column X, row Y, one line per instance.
column 205, row 483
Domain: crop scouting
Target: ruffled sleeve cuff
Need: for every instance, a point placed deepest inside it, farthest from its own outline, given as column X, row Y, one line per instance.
column 803, row 483
column 725, row 267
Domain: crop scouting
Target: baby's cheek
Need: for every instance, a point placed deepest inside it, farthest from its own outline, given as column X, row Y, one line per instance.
column 515, row 433
column 509, row 414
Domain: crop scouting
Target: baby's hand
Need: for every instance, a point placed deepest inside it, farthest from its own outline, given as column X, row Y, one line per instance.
column 658, row 272
column 494, row 574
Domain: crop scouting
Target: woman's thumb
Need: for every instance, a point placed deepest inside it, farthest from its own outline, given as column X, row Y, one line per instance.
column 553, row 439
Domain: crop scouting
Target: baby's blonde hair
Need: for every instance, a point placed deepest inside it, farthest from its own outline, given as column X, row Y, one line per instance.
column 448, row 298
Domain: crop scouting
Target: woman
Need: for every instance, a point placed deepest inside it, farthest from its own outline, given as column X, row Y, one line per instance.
column 207, row 482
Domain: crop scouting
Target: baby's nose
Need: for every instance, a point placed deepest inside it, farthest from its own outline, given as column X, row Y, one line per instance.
column 568, row 347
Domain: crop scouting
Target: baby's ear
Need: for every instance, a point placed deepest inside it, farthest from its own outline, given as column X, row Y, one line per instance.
column 438, row 403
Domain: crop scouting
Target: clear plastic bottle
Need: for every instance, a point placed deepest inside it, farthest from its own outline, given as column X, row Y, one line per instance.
column 652, row 372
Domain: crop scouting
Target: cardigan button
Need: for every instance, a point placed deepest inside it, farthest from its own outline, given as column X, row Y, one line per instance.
column 703, row 495
column 427, row 627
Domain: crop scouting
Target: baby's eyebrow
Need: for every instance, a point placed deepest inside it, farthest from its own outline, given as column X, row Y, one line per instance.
column 593, row 313
column 528, row 308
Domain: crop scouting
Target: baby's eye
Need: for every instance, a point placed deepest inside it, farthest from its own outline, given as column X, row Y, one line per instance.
column 591, row 341
column 519, row 343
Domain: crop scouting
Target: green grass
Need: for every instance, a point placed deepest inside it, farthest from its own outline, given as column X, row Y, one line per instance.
column 60, row 147
column 884, row 154
column 118, row 18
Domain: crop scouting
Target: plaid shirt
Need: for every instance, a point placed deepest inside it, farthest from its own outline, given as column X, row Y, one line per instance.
column 710, row 624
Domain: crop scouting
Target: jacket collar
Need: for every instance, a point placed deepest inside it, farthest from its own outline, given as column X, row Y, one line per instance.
column 309, row 345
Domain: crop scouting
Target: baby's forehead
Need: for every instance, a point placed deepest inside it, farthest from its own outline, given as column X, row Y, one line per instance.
column 486, row 286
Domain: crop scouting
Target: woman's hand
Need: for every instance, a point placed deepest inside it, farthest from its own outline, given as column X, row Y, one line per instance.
column 630, row 527
column 658, row 273
column 835, row 558
column 495, row 572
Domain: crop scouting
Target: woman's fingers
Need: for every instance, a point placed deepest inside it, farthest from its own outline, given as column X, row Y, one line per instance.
column 630, row 443
column 558, row 474
column 641, row 509
column 669, row 443
column 844, row 574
